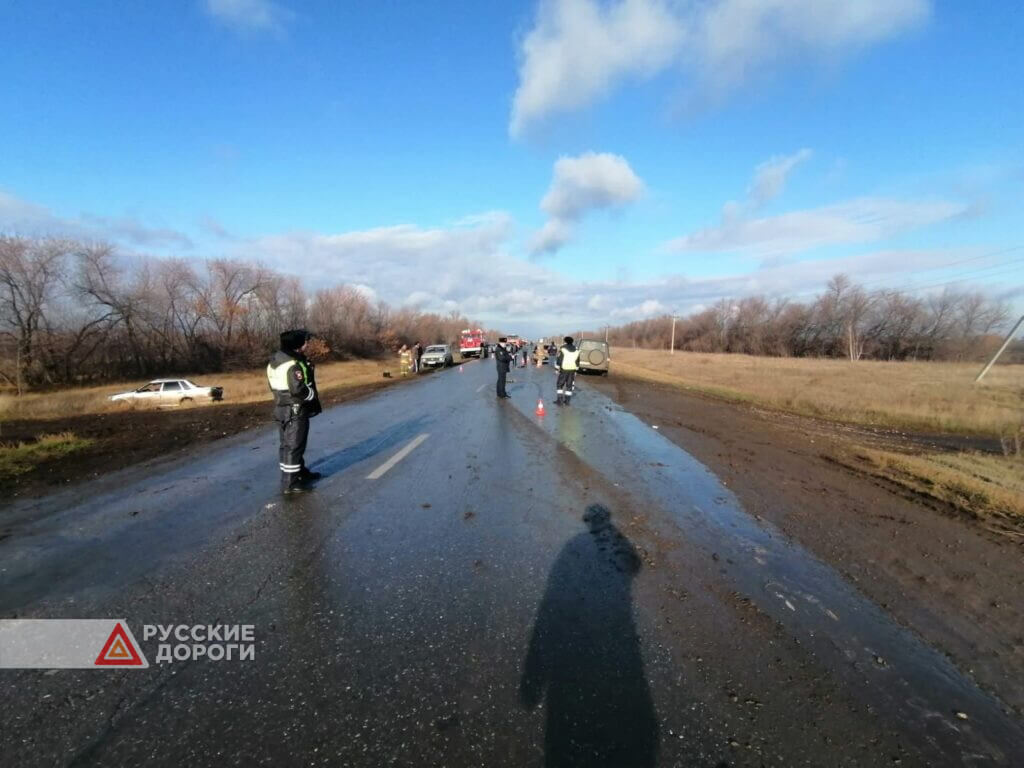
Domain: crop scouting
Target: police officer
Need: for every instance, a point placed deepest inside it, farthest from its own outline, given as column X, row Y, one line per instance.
column 293, row 382
column 567, row 363
column 502, row 359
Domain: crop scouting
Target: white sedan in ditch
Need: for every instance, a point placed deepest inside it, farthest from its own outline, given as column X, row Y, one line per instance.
column 169, row 392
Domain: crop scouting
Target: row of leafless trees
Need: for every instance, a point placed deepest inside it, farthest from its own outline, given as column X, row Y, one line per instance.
column 844, row 321
column 73, row 312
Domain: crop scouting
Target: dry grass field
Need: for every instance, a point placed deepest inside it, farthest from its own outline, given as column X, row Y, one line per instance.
column 55, row 434
column 242, row 387
column 928, row 397
column 938, row 398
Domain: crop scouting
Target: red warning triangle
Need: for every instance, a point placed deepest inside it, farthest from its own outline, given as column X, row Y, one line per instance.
column 119, row 650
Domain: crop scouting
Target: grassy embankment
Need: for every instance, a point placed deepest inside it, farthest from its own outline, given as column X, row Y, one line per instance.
column 21, row 457
column 50, row 411
column 938, row 398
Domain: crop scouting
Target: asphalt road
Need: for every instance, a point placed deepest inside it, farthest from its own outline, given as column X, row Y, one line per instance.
column 471, row 584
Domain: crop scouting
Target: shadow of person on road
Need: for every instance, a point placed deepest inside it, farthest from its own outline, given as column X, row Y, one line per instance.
column 584, row 655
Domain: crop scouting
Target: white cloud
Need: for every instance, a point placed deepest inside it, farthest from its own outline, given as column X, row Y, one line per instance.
column 642, row 311
column 736, row 38
column 466, row 266
column 856, row 221
column 214, row 228
column 579, row 50
column 26, row 218
column 247, row 15
column 770, row 177
column 552, row 236
column 581, row 184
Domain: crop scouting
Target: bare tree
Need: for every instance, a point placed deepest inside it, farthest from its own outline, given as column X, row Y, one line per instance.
column 31, row 273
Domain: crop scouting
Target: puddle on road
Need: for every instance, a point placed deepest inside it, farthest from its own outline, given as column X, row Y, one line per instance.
column 898, row 673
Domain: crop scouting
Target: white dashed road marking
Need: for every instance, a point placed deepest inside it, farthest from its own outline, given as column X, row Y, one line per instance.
column 409, row 448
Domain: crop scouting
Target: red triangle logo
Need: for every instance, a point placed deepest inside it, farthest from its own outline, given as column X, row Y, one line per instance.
column 119, row 650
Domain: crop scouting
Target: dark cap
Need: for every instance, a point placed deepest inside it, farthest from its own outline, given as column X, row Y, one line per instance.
column 503, row 339
column 567, row 339
column 293, row 340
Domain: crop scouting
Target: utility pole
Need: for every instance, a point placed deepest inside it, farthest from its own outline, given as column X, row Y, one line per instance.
column 606, row 334
column 672, row 344
column 1006, row 343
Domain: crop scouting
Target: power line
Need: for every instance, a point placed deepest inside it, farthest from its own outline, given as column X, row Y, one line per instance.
column 948, row 264
column 946, row 281
column 959, row 278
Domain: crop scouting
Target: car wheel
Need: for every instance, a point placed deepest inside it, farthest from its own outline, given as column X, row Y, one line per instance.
column 185, row 401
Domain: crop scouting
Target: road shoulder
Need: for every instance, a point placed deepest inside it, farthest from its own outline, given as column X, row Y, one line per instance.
column 942, row 575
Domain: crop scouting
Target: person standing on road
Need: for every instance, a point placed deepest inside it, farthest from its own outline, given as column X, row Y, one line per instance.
column 502, row 359
column 405, row 359
column 417, row 353
column 292, row 380
column 567, row 363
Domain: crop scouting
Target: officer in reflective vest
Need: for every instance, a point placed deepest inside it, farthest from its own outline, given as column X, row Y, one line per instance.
column 293, row 383
column 567, row 363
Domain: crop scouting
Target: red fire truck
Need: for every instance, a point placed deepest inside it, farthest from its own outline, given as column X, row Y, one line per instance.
column 472, row 343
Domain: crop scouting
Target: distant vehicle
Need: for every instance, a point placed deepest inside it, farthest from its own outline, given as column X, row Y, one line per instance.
column 169, row 391
column 473, row 343
column 514, row 340
column 594, row 356
column 437, row 356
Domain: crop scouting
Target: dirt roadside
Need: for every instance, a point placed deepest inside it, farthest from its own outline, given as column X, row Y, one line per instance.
column 123, row 438
column 945, row 576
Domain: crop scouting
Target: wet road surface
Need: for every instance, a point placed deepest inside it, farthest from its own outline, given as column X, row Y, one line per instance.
column 470, row 584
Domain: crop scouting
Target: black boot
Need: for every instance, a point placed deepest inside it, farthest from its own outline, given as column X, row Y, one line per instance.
column 291, row 483
column 307, row 475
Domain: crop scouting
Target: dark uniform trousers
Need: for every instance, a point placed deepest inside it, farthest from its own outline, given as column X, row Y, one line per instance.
column 294, row 431
column 502, row 375
column 502, row 360
column 566, row 383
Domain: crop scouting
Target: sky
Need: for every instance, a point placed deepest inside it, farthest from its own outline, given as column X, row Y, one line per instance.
column 564, row 162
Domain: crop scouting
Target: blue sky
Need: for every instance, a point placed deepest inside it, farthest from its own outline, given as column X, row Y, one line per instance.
column 569, row 160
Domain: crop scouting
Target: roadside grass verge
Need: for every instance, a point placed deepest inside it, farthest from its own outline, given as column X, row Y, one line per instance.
column 22, row 457
column 937, row 398
column 980, row 485
column 240, row 387
column 929, row 397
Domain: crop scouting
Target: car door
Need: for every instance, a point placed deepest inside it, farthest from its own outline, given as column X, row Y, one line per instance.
column 148, row 393
column 171, row 392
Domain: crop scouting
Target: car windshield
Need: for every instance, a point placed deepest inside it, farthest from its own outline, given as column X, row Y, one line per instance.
column 149, row 388
column 435, row 349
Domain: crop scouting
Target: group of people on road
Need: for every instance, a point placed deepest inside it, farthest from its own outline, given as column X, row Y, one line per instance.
column 566, row 363
column 292, row 379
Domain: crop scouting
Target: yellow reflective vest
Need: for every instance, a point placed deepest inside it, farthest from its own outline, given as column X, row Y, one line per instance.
column 570, row 359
